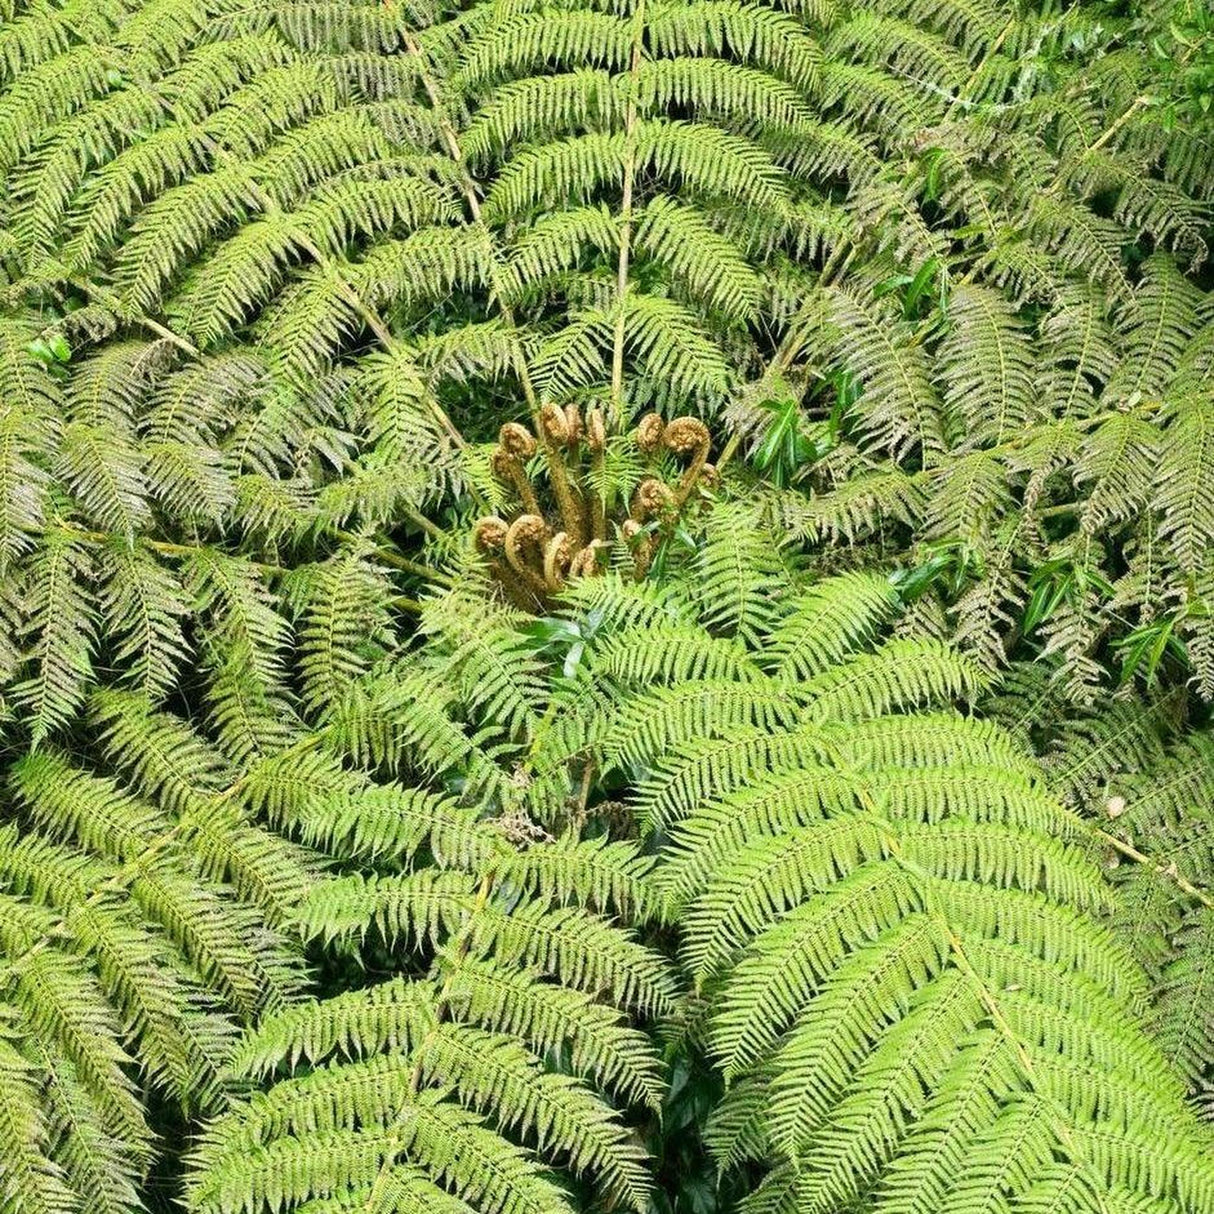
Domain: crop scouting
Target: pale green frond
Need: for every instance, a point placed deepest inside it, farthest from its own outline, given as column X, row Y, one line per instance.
column 719, row 88
column 968, row 498
column 898, row 408
column 495, row 1073
column 32, row 1180
column 589, row 872
column 394, row 1015
column 579, row 950
column 1119, row 458
column 102, row 468
column 704, row 264
column 94, row 1162
column 403, row 722
column 697, row 769
column 1155, row 326
column 343, row 627
column 739, row 575
column 824, row 623
column 48, row 93
column 417, row 907
column 558, row 242
column 899, row 675
column 524, row 110
column 988, row 368
column 63, row 1003
column 669, row 652
column 1182, row 480
column 646, row 728
column 440, row 1139
column 763, row 37
column 58, row 636
column 548, row 1017
column 526, row 41
column 29, row 424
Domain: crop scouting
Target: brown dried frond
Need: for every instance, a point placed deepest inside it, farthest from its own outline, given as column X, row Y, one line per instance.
column 521, row 829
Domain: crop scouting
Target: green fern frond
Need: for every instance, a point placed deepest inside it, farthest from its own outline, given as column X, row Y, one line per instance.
column 707, row 264
column 828, row 621
column 29, row 425
column 987, row 365
column 1185, row 461
column 898, row 408
column 58, row 635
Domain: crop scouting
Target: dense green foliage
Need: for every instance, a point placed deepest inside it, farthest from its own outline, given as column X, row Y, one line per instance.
column 606, row 603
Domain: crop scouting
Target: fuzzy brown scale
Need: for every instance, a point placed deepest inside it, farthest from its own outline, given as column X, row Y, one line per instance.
column 534, row 554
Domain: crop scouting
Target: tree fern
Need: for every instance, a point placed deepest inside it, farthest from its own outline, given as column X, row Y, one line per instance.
column 951, row 193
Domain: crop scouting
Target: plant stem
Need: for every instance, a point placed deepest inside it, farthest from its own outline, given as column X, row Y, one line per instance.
column 621, row 284
column 1128, row 850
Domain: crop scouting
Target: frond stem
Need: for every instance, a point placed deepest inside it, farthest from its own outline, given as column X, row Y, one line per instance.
column 389, row 557
column 629, row 173
column 1164, row 870
column 110, row 300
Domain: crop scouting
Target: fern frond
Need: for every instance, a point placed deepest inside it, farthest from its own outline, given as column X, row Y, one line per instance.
column 29, row 424
column 987, row 365
column 898, row 408
column 59, row 634
column 143, row 605
column 828, row 621
column 706, row 264
column 1185, row 463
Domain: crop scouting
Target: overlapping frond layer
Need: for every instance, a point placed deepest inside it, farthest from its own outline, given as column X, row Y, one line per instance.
column 900, row 932
column 158, row 892
column 491, row 1073
column 274, row 274
column 143, row 925
column 1144, row 778
column 961, row 238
